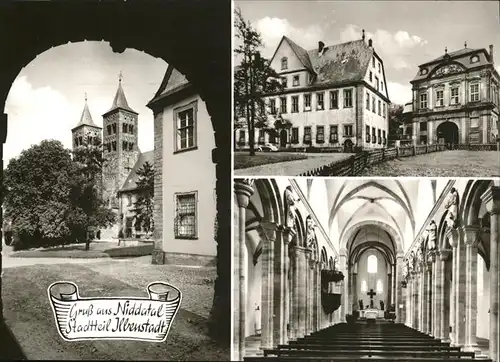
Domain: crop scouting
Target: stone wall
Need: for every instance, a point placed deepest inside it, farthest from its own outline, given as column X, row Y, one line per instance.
column 158, row 256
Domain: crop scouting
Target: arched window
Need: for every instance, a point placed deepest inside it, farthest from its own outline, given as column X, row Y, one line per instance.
column 372, row 264
column 380, row 288
column 284, row 63
column 363, row 286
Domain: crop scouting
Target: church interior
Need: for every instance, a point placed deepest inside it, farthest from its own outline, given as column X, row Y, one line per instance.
column 379, row 269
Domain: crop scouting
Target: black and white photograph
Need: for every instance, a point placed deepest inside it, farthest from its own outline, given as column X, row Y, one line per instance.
column 116, row 177
column 366, row 88
column 351, row 269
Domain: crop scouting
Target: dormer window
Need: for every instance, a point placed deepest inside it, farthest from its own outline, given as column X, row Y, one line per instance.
column 284, row 63
column 474, row 59
column 296, row 80
column 423, row 71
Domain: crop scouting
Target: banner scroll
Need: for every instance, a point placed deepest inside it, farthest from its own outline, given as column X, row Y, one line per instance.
column 142, row 319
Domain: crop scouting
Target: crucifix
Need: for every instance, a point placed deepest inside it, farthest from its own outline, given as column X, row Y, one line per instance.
column 120, row 76
column 371, row 293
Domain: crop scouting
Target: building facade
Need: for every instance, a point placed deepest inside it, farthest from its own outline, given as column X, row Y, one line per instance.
column 334, row 97
column 185, row 198
column 456, row 99
column 119, row 138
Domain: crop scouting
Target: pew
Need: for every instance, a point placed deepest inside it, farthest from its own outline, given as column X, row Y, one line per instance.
column 359, row 342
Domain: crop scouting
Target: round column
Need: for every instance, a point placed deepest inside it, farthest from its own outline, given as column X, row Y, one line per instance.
column 243, row 190
column 491, row 198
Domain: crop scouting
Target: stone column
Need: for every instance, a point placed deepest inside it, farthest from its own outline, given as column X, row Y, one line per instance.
column 491, row 199
column 429, row 297
column 400, row 312
column 439, row 296
column 319, row 312
column 288, row 235
column 416, row 306
column 294, row 315
column 272, row 273
column 243, row 190
column 456, row 241
column 342, row 289
column 389, row 291
column 432, row 258
column 310, row 296
column 424, row 295
column 471, row 235
column 304, row 255
column 394, row 285
column 444, row 297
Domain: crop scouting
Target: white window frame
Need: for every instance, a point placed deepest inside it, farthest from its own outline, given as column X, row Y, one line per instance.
column 190, row 106
column 440, row 100
column 423, row 102
column 348, row 98
column 457, row 97
column 474, row 96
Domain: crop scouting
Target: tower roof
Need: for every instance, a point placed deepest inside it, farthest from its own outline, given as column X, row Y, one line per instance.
column 120, row 101
column 86, row 118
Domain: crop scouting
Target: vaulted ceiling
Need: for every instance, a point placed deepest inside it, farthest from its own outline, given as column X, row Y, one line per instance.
column 385, row 211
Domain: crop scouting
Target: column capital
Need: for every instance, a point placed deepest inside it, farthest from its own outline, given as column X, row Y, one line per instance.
column 243, row 188
column 471, row 235
column 453, row 235
column 491, row 199
column 270, row 229
column 428, row 266
column 444, row 254
column 288, row 233
column 431, row 256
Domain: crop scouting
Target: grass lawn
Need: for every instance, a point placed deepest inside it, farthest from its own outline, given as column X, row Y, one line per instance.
column 29, row 316
column 78, row 251
column 244, row 160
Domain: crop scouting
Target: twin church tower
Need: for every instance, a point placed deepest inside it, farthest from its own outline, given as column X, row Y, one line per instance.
column 119, row 139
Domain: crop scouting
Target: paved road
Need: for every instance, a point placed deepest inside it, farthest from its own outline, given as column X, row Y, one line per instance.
column 292, row 168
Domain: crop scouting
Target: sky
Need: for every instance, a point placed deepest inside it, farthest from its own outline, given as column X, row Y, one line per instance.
column 47, row 98
column 404, row 33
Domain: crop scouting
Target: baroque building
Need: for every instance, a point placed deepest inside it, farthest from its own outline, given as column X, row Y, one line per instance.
column 456, row 99
column 422, row 253
column 335, row 97
column 123, row 158
column 185, row 198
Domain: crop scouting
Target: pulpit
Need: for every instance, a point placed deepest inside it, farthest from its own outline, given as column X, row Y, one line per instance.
column 330, row 301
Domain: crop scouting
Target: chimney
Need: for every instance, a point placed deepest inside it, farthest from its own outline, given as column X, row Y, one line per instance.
column 321, row 45
column 370, row 43
column 363, row 36
column 491, row 53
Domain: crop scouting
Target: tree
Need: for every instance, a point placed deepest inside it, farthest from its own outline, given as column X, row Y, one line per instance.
column 396, row 119
column 143, row 206
column 89, row 210
column 37, row 186
column 253, row 79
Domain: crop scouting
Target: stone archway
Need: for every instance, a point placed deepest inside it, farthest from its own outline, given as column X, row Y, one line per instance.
column 118, row 23
column 448, row 133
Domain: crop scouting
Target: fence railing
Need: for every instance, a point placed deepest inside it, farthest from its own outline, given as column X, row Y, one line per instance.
column 355, row 164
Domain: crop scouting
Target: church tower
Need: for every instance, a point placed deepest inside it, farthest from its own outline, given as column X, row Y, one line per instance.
column 120, row 144
column 86, row 131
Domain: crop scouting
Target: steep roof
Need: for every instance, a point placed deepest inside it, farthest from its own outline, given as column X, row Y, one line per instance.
column 300, row 52
column 341, row 63
column 172, row 82
column 130, row 183
column 120, row 101
column 86, row 118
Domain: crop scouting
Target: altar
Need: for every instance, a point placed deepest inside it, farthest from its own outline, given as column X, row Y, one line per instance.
column 371, row 313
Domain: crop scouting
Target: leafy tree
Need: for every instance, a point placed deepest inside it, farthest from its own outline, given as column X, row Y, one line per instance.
column 37, row 186
column 253, row 79
column 396, row 119
column 143, row 206
column 89, row 210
